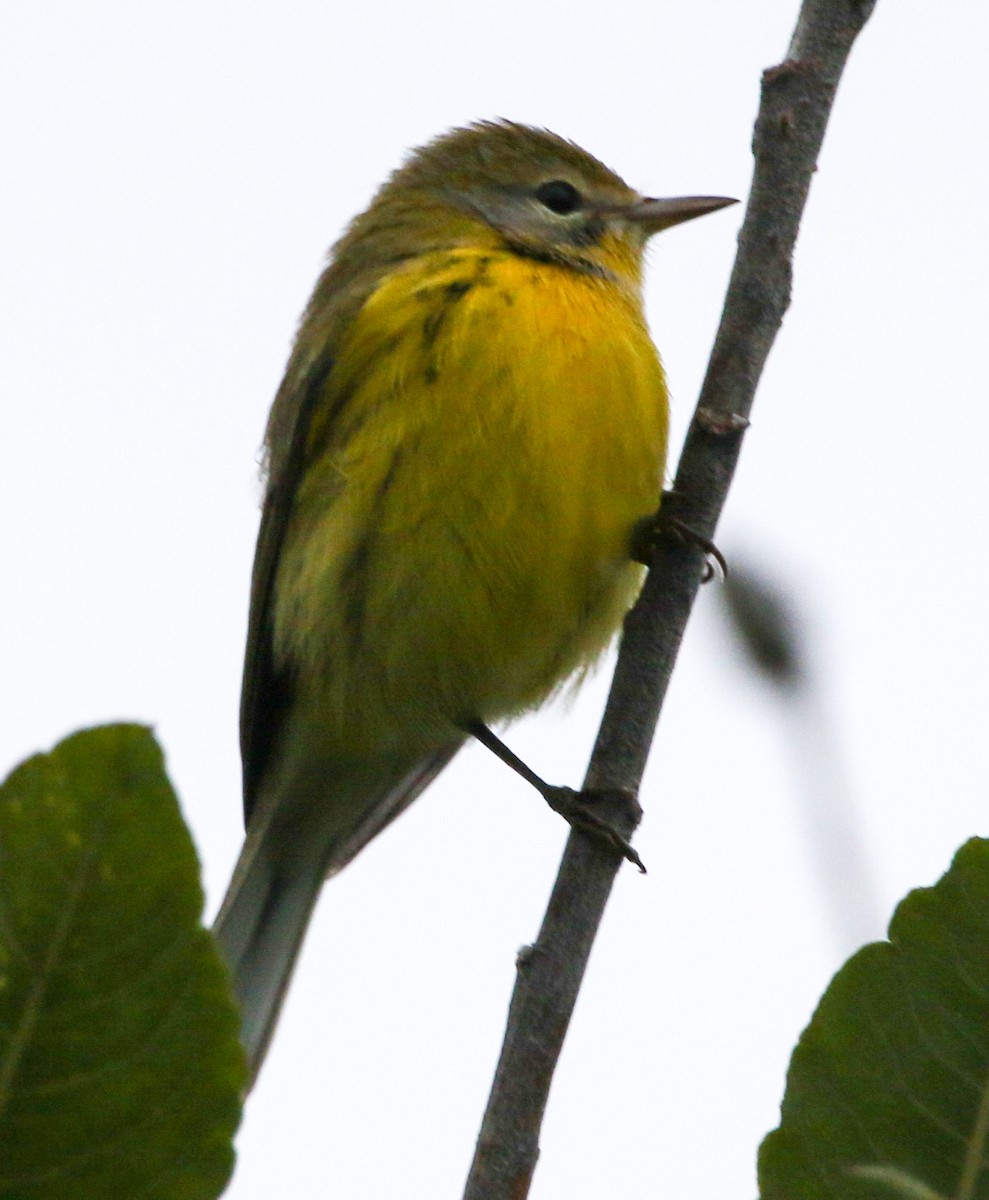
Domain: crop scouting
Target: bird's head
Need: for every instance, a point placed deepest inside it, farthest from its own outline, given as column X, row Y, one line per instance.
column 500, row 184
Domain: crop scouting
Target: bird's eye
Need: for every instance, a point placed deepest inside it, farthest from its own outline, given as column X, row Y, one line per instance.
column 559, row 196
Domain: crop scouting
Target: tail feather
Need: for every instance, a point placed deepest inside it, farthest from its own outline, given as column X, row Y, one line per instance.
column 260, row 928
column 276, row 883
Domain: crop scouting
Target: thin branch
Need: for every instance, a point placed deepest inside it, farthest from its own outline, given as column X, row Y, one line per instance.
column 797, row 97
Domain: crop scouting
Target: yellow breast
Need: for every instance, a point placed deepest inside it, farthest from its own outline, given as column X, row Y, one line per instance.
column 492, row 428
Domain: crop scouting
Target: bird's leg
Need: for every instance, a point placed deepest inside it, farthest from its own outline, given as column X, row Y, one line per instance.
column 648, row 531
column 575, row 807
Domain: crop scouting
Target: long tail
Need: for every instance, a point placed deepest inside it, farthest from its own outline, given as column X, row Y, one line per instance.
column 276, row 882
column 260, row 928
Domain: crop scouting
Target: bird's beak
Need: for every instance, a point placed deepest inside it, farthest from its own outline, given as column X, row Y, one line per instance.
column 651, row 216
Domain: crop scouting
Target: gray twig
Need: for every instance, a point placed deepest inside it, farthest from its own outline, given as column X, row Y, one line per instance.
column 797, row 97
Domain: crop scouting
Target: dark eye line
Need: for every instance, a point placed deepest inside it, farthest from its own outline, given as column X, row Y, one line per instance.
column 559, row 196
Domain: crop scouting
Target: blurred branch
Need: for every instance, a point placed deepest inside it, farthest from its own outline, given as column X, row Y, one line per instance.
column 766, row 626
column 797, row 97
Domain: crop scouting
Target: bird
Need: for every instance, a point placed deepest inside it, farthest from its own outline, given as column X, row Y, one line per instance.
column 472, row 423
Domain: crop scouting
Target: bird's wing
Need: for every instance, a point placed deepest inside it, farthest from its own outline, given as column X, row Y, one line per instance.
column 266, row 692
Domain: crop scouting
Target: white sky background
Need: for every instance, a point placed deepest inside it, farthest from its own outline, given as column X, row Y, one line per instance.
column 172, row 176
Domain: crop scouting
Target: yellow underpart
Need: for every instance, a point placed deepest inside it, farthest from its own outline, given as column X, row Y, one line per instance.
column 492, row 428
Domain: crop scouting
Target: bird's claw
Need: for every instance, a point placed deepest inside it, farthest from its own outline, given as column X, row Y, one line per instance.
column 648, row 531
column 575, row 808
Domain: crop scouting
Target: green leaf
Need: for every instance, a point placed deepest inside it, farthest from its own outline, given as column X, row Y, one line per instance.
column 120, row 1068
column 887, row 1094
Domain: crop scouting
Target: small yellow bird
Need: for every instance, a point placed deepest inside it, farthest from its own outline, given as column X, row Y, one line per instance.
column 472, row 422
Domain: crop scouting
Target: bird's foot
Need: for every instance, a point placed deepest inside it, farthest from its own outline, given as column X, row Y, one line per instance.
column 620, row 807
column 578, row 809
column 649, row 530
